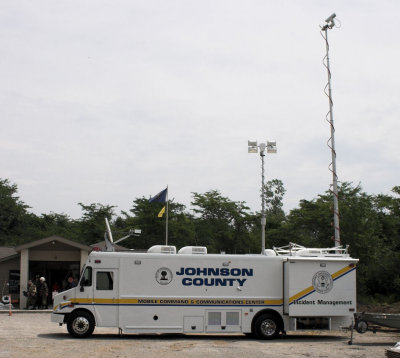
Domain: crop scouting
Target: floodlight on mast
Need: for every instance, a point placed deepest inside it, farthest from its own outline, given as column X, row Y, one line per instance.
column 252, row 147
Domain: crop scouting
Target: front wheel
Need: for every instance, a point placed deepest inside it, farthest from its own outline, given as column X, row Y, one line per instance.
column 266, row 327
column 80, row 324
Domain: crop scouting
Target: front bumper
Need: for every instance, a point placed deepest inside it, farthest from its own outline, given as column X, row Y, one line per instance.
column 57, row 317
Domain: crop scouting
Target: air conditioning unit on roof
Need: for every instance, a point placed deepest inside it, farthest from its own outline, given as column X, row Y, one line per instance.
column 162, row 249
column 193, row 250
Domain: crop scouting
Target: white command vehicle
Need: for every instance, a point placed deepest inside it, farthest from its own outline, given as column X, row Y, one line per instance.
column 162, row 291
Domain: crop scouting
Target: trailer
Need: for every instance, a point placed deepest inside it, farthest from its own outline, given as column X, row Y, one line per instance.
column 365, row 321
column 191, row 291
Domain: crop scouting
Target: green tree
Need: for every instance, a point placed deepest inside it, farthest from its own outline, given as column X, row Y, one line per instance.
column 221, row 224
column 13, row 214
column 310, row 223
column 92, row 224
column 55, row 224
column 275, row 216
column 381, row 279
column 274, row 192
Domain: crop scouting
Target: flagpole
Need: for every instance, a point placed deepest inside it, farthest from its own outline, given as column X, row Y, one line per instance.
column 166, row 221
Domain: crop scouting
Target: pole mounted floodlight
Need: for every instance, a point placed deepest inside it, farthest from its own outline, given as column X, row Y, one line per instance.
column 329, row 24
column 253, row 148
column 271, row 147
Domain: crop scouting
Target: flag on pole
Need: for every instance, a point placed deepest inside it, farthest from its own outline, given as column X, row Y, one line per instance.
column 161, row 197
column 162, row 212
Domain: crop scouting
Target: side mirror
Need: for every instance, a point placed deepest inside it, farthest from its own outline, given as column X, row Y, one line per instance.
column 82, row 289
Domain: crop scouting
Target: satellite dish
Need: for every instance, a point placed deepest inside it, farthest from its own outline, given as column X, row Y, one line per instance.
column 108, row 238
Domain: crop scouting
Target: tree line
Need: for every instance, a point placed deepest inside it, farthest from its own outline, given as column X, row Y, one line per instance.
column 369, row 224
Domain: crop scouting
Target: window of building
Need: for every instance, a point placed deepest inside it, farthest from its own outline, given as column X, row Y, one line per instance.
column 14, row 281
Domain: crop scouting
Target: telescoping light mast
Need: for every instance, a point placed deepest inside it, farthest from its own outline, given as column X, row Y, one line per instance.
column 329, row 24
column 253, row 148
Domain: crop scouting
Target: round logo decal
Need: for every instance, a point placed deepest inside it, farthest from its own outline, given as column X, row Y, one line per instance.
column 164, row 276
column 322, row 282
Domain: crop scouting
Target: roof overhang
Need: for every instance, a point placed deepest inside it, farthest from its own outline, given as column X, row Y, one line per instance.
column 50, row 239
column 17, row 256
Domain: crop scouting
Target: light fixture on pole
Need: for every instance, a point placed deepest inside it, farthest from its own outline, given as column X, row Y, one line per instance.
column 253, row 148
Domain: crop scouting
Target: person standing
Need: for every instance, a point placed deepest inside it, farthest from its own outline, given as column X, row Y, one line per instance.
column 43, row 292
column 38, row 299
column 31, row 295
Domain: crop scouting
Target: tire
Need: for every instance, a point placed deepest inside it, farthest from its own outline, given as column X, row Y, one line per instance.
column 266, row 327
column 80, row 324
column 361, row 326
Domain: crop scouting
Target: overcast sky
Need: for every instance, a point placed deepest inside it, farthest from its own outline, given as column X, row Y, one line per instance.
column 107, row 101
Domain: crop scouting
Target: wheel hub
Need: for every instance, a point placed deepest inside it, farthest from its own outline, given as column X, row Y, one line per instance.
column 268, row 327
column 81, row 325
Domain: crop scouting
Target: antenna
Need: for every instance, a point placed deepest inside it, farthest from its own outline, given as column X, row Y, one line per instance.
column 331, row 141
column 329, row 22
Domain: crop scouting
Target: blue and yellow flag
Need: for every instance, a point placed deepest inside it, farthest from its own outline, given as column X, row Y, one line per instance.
column 161, row 197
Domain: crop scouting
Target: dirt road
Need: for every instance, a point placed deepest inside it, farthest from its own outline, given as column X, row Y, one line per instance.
column 33, row 335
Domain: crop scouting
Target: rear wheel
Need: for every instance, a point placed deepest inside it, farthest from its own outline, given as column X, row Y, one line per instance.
column 80, row 324
column 267, row 327
column 361, row 326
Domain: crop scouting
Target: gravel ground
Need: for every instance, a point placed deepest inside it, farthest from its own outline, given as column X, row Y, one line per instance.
column 33, row 335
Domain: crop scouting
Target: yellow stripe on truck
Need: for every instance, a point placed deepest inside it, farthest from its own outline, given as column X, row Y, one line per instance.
column 181, row 301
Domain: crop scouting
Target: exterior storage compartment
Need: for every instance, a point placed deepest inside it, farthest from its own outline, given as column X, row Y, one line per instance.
column 319, row 288
column 193, row 324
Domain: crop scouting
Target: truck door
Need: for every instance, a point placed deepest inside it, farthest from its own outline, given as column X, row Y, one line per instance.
column 105, row 297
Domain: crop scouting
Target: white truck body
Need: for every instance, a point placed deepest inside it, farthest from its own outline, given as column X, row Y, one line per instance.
column 210, row 293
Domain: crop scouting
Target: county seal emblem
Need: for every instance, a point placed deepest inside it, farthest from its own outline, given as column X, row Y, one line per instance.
column 322, row 282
